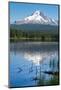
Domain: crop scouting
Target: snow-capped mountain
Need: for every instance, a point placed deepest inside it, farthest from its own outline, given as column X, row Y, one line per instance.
column 37, row 18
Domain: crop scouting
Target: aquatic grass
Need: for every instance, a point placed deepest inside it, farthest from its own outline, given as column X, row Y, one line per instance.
column 54, row 80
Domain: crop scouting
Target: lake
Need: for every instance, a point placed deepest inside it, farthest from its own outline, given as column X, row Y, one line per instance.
column 33, row 64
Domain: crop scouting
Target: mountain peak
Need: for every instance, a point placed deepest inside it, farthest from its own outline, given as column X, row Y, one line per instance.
column 36, row 12
column 37, row 17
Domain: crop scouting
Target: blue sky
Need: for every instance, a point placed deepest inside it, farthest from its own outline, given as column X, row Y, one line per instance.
column 19, row 11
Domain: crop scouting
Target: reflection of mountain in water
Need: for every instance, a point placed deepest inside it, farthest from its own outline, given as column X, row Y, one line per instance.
column 34, row 57
column 37, row 52
column 46, row 58
column 29, row 61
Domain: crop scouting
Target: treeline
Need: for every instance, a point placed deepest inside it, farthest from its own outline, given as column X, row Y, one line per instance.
column 16, row 35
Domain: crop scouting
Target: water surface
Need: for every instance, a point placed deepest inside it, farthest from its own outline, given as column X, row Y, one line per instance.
column 32, row 62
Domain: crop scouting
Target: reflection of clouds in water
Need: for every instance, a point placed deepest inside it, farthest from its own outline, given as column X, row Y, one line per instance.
column 37, row 57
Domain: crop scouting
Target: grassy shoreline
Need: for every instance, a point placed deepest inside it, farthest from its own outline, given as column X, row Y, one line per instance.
column 32, row 39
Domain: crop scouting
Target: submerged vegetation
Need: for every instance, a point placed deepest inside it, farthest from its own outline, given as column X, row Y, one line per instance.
column 53, row 81
column 21, row 35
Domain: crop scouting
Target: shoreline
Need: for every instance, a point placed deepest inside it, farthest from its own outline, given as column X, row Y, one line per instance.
column 35, row 42
column 31, row 40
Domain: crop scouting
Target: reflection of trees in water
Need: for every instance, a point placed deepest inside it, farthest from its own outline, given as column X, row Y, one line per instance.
column 54, row 63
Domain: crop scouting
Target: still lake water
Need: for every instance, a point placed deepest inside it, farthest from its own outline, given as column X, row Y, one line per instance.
column 30, row 63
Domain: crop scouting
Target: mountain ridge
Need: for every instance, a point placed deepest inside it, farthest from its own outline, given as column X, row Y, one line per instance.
column 37, row 18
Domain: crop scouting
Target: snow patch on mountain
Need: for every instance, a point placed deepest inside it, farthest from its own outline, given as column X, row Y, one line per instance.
column 37, row 18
